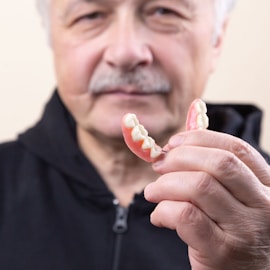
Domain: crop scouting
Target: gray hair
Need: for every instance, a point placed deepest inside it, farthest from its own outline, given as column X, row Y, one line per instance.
column 222, row 9
column 43, row 7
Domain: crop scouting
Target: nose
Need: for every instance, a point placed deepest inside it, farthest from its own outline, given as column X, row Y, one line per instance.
column 127, row 47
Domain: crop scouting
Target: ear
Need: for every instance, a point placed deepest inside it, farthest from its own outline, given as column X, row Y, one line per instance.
column 218, row 43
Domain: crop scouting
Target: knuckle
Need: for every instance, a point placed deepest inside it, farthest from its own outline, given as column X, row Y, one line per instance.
column 240, row 148
column 204, row 184
column 228, row 163
column 189, row 214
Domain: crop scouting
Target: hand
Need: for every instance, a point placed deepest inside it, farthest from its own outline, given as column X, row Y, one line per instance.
column 214, row 190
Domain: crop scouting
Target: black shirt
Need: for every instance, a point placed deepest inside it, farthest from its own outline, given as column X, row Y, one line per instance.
column 56, row 213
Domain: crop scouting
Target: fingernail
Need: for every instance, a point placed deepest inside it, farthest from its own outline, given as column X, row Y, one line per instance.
column 157, row 164
column 166, row 148
column 176, row 140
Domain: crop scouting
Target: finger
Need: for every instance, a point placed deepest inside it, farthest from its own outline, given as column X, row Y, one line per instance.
column 222, row 165
column 199, row 189
column 244, row 245
column 244, row 151
column 191, row 224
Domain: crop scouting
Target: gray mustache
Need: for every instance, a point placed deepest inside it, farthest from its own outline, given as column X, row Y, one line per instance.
column 144, row 81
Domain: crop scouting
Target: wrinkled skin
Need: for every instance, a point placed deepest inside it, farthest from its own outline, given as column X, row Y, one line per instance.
column 91, row 42
column 214, row 191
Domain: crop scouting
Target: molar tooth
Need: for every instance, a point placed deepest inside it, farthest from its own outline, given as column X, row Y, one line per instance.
column 139, row 133
column 143, row 130
column 155, row 151
column 131, row 120
column 201, row 107
column 202, row 121
column 148, row 143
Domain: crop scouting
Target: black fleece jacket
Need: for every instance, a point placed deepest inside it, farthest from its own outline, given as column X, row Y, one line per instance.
column 56, row 213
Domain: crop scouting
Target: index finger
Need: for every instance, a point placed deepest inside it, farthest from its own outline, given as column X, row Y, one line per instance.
column 241, row 149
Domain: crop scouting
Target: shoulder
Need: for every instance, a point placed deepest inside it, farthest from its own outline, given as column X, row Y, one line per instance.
column 16, row 160
column 11, row 155
column 10, row 151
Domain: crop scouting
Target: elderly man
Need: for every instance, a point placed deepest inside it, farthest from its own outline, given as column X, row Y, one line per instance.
column 72, row 192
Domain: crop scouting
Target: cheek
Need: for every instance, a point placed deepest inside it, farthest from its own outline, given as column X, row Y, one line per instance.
column 180, row 65
column 74, row 67
column 187, row 64
column 194, row 65
column 74, row 64
column 72, row 71
column 175, row 54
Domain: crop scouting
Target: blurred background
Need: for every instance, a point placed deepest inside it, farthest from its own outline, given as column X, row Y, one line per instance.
column 27, row 79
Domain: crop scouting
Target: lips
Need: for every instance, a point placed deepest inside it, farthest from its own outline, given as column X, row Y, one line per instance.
column 128, row 90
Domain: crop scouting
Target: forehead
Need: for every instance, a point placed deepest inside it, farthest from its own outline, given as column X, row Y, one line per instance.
column 108, row 2
column 68, row 5
column 65, row 7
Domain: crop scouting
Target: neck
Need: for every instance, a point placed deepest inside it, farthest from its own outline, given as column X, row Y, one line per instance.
column 121, row 170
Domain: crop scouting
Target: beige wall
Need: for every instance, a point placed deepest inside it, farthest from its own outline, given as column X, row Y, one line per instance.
column 27, row 78
column 243, row 74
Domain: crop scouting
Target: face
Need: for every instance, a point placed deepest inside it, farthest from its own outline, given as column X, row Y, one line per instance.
column 149, row 57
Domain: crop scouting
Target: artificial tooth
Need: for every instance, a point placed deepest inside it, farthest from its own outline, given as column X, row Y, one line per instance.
column 139, row 133
column 131, row 120
column 155, row 151
column 201, row 107
column 202, row 121
column 143, row 130
column 148, row 143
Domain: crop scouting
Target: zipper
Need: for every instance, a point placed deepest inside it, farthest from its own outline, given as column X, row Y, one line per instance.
column 120, row 226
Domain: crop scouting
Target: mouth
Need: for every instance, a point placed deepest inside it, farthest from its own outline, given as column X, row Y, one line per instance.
column 130, row 98
column 128, row 91
column 129, row 94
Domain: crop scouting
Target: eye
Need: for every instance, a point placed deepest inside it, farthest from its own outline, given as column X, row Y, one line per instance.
column 162, row 11
column 92, row 16
column 91, row 20
column 89, row 17
column 163, row 18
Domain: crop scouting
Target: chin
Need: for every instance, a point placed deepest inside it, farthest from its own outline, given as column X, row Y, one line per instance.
column 110, row 128
column 161, row 128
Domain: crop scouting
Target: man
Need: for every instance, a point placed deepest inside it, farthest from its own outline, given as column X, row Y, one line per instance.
column 71, row 191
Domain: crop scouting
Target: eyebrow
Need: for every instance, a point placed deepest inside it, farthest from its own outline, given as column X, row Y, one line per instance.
column 189, row 4
column 72, row 5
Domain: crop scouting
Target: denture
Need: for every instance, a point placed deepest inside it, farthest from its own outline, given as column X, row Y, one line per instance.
column 138, row 140
column 144, row 146
column 196, row 116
